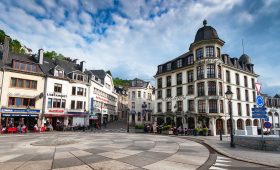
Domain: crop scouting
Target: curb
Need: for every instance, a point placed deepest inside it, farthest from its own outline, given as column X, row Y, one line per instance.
column 231, row 156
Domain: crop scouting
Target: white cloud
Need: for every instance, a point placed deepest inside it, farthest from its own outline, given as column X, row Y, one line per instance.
column 245, row 18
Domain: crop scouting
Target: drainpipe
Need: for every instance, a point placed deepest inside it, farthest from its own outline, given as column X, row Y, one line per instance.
column 44, row 99
column 1, row 95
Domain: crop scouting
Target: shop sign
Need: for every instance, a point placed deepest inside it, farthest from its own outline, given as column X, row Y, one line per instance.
column 19, row 115
column 57, row 111
column 102, row 99
column 20, row 95
column 56, row 95
column 20, row 111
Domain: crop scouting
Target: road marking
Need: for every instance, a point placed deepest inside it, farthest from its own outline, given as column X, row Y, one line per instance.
column 219, row 164
column 220, row 157
column 222, row 161
column 216, row 168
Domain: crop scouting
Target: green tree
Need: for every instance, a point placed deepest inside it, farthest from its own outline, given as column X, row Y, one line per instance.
column 16, row 47
column 53, row 55
column 121, row 82
column 2, row 36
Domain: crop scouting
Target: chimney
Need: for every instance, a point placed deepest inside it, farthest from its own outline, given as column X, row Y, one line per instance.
column 6, row 49
column 41, row 56
column 74, row 61
column 82, row 67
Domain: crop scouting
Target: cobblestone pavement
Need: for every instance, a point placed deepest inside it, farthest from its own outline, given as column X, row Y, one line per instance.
column 99, row 151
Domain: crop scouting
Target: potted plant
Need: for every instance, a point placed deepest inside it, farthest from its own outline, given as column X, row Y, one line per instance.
column 139, row 128
column 167, row 129
column 205, row 131
column 196, row 131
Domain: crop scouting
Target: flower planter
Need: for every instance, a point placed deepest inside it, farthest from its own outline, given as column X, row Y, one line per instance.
column 170, row 132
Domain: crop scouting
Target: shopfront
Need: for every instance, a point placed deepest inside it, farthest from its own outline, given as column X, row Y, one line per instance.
column 77, row 118
column 56, row 118
column 15, row 117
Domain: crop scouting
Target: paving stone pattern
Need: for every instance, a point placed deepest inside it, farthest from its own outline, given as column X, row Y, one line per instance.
column 100, row 151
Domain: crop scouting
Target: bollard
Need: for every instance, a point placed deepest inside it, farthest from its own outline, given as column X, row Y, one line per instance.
column 221, row 137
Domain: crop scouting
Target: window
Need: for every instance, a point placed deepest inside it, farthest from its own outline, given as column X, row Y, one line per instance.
column 200, row 89
column 228, row 88
column 228, row 76
column 179, row 91
column 73, row 90
column 179, row 78
column 247, row 109
column 168, row 66
column 159, row 94
column 159, row 109
column 190, row 76
column 213, row 106
column 56, row 103
column 254, row 96
column 133, row 105
column 199, row 54
column 72, row 104
column 22, row 83
column 200, row 72
column 218, row 52
column 220, row 89
column 159, row 69
column 211, row 88
column 80, row 91
column 144, row 95
column 238, row 93
column 49, row 103
column 191, row 105
column 85, row 93
column 168, row 106
column 201, row 106
column 24, row 66
column 168, row 93
column 245, row 81
column 159, row 82
column 21, row 102
column 179, row 63
column 247, row 95
column 57, row 88
column 220, row 72
column 190, row 89
column 179, row 106
column 168, row 81
column 63, row 101
column 239, row 109
column 253, row 83
column 237, row 79
column 190, row 60
column 84, row 105
column 79, row 105
column 133, row 95
column 210, row 71
column 139, row 94
column 210, row 51
column 221, row 106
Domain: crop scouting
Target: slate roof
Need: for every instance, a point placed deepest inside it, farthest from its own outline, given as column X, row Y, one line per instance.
column 138, row 83
column 100, row 74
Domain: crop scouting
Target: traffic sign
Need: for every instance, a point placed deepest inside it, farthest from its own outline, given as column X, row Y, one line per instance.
column 259, row 116
column 259, row 109
column 267, row 125
column 259, row 101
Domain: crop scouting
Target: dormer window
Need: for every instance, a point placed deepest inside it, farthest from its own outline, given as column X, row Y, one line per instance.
column 159, row 69
column 24, row 66
column 58, row 72
column 168, row 66
column 179, row 63
column 78, row 77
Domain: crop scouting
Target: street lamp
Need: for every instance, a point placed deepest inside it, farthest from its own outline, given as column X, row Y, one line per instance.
column 127, row 112
column 176, row 110
column 229, row 97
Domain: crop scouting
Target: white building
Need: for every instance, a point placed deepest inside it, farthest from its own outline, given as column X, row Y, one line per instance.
column 140, row 103
column 103, row 98
column 190, row 89
column 66, row 93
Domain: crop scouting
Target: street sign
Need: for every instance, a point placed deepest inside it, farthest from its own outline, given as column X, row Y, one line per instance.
column 267, row 125
column 260, row 101
column 259, row 116
column 259, row 113
column 258, row 109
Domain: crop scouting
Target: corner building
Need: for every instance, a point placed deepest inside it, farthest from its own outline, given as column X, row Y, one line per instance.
column 190, row 89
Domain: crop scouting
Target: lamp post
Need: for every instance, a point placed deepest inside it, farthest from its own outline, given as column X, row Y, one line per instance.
column 127, row 112
column 175, row 107
column 229, row 97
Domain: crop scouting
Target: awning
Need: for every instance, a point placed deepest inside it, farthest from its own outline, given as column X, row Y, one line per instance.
column 54, row 115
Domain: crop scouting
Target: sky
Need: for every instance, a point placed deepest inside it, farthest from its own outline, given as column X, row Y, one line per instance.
column 132, row 37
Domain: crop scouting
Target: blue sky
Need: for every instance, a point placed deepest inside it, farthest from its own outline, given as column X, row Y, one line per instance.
column 132, row 37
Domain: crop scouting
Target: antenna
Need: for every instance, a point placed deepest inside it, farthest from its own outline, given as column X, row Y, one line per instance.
column 243, row 46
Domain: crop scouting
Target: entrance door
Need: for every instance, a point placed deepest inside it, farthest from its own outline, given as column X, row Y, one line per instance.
column 219, row 126
column 191, row 124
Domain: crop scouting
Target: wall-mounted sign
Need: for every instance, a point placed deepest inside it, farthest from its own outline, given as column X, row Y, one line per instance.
column 56, row 110
column 20, row 95
column 19, row 115
column 20, row 111
column 102, row 99
column 57, row 95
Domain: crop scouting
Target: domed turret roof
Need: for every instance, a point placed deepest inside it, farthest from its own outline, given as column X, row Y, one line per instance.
column 244, row 58
column 206, row 33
